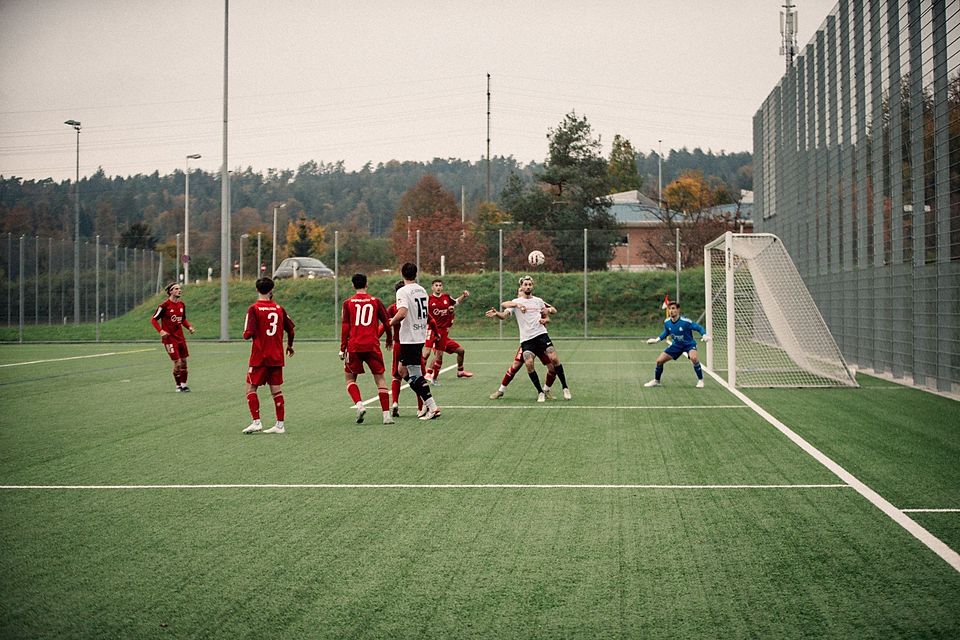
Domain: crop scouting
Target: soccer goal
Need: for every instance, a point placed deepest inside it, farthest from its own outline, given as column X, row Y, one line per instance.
column 766, row 328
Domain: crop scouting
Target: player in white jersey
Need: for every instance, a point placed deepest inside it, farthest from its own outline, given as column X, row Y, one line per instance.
column 529, row 311
column 411, row 316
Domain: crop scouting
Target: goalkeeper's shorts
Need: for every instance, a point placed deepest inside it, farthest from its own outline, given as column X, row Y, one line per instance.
column 678, row 348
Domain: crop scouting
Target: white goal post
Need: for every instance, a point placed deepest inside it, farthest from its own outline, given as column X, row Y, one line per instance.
column 766, row 328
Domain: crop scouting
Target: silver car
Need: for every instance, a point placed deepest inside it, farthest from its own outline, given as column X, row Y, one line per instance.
column 302, row 268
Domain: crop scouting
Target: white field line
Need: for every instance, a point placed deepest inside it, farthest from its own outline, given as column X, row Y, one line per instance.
column 402, row 387
column 95, row 355
column 897, row 515
column 555, row 405
column 930, row 510
column 65, row 487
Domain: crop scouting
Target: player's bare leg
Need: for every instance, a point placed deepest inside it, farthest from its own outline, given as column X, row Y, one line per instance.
column 461, row 373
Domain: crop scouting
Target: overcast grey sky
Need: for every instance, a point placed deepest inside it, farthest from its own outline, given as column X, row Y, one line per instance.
column 375, row 80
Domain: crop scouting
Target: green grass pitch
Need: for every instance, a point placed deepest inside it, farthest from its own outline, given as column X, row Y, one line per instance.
column 626, row 512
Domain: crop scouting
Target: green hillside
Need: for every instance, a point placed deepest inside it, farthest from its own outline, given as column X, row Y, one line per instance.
column 619, row 304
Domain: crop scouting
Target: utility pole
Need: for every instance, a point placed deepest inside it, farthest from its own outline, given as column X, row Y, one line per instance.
column 487, row 192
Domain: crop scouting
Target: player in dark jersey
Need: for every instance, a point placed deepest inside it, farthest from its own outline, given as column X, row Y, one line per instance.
column 441, row 308
column 169, row 320
column 361, row 322
column 265, row 324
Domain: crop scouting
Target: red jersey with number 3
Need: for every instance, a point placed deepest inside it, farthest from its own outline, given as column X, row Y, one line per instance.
column 360, row 329
column 265, row 323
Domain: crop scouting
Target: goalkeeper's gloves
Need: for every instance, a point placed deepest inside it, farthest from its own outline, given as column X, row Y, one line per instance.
column 706, row 338
column 653, row 340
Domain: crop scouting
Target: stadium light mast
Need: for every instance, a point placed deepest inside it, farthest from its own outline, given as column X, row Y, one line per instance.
column 76, row 228
column 186, row 221
column 788, row 30
column 225, row 191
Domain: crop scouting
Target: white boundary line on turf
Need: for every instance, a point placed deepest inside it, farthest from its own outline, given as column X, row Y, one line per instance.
column 95, row 355
column 897, row 515
column 402, row 387
column 930, row 510
column 422, row 486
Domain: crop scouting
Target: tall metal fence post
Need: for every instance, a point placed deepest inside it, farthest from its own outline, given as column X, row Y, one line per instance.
column 678, row 264
column 585, row 331
column 36, row 281
column 20, row 289
column 96, row 288
column 418, row 255
column 9, row 276
column 500, row 234
column 50, row 280
column 336, row 284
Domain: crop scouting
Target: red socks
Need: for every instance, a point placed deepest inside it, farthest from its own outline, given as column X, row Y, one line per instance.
column 253, row 401
column 384, row 398
column 354, row 392
column 278, row 404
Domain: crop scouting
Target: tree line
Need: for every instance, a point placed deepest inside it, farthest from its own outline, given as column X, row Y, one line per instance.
column 379, row 208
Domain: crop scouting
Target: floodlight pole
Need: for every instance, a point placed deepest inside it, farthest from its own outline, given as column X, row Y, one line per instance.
column 186, row 221
column 76, row 228
column 225, row 191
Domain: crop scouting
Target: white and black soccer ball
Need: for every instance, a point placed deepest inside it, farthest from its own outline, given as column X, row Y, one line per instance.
column 536, row 258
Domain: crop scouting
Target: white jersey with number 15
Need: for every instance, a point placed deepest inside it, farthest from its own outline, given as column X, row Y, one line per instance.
column 413, row 328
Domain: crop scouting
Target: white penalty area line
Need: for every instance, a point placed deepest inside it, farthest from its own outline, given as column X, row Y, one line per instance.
column 95, row 355
column 106, row 487
column 402, row 387
column 897, row 515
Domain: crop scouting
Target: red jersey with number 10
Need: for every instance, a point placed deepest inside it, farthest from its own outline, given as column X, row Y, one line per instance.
column 265, row 323
column 360, row 329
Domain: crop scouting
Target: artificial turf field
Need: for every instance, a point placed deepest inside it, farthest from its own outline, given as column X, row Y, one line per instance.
column 627, row 512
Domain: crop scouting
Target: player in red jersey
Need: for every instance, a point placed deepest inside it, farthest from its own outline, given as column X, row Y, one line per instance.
column 363, row 316
column 265, row 323
column 169, row 320
column 441, row 308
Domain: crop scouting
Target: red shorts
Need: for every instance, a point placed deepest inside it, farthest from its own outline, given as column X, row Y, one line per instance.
column 440, row 340
column 176, row 349
column 353, row 363
column 544, row 358
column 259, row 376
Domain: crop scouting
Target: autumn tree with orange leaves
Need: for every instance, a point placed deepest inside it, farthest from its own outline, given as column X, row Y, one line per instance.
column 427, row 207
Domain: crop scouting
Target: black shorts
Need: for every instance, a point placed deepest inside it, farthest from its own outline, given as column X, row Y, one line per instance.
column 537, row 345
column 411, row 354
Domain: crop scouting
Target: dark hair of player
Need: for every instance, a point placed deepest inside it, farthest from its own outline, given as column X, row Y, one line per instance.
column 264, row 285
column 409, row 271
column 673, row 304
column 359, row 281
column 169, row 287
column 398, row 286
column 436, row 281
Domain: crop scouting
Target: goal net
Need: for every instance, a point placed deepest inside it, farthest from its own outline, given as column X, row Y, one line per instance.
column 766, row 328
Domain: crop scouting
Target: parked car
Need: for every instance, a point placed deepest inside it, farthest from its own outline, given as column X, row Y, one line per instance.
column 302, row 268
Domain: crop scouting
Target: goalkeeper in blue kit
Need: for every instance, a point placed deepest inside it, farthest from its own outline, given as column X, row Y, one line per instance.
column 680, row 329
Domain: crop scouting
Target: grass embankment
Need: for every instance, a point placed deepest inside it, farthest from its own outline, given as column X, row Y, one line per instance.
column 619, row 304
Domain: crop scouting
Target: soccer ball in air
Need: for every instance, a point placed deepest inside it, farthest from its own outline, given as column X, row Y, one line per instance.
column 536, row 258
